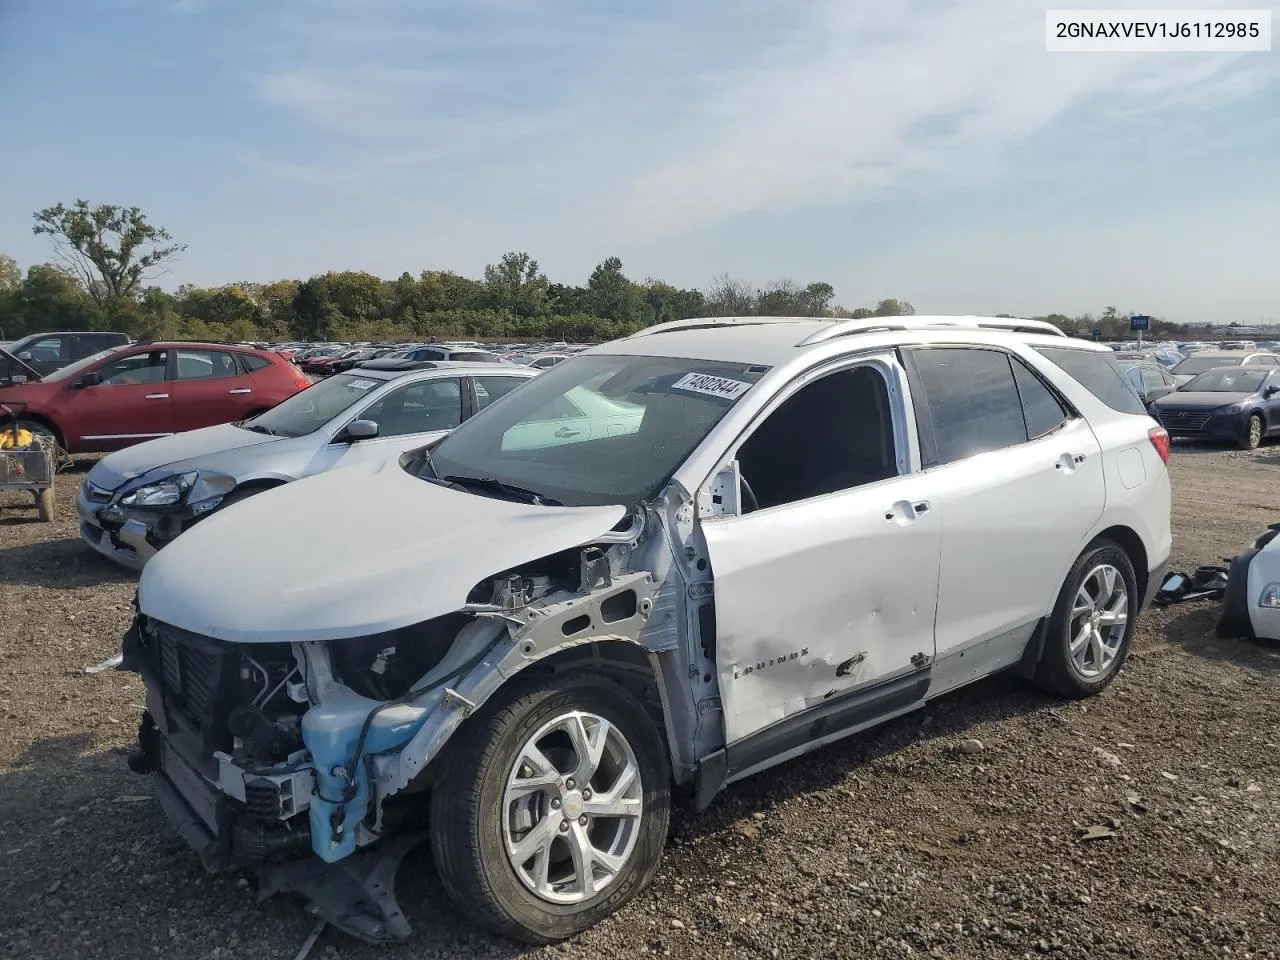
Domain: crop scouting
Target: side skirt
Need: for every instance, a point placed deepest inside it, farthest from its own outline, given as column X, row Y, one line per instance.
column 815, row 727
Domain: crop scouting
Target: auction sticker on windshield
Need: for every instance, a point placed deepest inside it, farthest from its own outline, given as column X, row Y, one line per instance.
column 721, row 387
column 362, row 384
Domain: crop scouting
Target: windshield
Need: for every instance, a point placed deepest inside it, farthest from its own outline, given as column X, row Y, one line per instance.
column 310, row 409
column 595, row 429
column 1201, row 364
column 80, row 366
column 1233, row 380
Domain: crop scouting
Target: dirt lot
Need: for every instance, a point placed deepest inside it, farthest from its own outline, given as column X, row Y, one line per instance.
column 890, row 845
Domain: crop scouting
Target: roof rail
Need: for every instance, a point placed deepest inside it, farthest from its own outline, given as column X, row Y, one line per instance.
column 846, row 328
column 710, row 323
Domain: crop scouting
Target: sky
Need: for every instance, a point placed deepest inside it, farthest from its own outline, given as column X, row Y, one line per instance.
column 931, row 151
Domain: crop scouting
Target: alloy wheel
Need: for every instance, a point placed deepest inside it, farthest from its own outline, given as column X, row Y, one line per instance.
column 1099, row 619
column 572, row 808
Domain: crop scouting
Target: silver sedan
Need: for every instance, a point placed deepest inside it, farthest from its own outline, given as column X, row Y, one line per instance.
column 135, row 501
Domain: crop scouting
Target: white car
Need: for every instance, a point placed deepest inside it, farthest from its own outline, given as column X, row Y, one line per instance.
column 136, row 500
column 1251, row 607
column 1203, row 360
column 788, row 530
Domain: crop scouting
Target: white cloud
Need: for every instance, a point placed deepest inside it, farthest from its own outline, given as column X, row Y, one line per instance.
column 863, row 96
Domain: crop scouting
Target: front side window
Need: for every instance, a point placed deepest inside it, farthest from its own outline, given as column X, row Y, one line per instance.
column 972, row 399
column 205, row 365
column 310, row 409
column 833, row 434
column 136, row 368
column 418, row 408
column 49, row 350
column 637, row 420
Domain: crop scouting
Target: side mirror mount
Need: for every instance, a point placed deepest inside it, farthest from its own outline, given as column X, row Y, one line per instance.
column 25, row 355
column 1271, row 391
column 721, row 495
column 357, row 430
column 90, row 379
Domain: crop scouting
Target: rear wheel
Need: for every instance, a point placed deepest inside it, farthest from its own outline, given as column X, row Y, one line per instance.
column 1092, row 624
column 551, row 811
column 1253, row 433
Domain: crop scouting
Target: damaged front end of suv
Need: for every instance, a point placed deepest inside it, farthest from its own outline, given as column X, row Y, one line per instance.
column 305, row 762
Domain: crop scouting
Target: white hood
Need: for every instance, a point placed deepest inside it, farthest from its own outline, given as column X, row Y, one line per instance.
column 348, row 553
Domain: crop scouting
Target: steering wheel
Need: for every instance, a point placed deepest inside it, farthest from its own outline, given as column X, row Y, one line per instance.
column 749, row 501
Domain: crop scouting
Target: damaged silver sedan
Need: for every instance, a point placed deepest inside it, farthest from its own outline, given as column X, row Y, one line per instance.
column 537, row 634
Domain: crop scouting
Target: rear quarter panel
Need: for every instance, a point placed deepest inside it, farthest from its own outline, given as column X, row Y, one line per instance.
column 1138, row 489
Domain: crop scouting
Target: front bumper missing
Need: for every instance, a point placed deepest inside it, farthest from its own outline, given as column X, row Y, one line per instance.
column 356, row 895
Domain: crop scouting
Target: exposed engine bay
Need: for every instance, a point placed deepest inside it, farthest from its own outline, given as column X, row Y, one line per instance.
column 305, row 763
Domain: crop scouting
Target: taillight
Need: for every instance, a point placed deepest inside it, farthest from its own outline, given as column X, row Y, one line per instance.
column 1159, row 437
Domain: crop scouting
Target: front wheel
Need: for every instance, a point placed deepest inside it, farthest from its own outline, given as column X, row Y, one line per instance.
column 1253, row 434
column 1092, row 624
column 551, row 811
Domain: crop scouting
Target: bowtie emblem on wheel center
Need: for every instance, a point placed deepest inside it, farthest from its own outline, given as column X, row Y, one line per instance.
column 571, row 805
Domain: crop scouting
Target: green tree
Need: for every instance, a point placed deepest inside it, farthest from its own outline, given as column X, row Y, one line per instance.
column 893, row 308
column 110, row 249
column 515, row 283
column 222, row 305
column 612, row 295
column 49, row 298
column 10, row 273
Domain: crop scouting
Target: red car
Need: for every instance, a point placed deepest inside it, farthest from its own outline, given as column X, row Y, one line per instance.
column 129, row 394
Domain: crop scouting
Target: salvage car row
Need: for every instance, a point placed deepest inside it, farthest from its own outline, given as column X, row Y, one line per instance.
column 664, row 564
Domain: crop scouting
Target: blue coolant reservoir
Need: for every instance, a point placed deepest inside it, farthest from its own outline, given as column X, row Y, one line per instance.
column 330, row 731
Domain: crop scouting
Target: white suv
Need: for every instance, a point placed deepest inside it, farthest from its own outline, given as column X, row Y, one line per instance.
column 807, row 527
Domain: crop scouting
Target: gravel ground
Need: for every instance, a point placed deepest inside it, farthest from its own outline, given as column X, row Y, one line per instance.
column 892, row 844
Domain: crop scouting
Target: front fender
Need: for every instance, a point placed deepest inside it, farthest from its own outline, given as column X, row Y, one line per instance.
column 517, row 640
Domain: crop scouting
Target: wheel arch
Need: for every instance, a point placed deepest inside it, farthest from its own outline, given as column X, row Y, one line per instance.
column 1131, row 543
column 48, row 422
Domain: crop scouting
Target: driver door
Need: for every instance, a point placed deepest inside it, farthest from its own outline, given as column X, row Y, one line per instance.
column 132, row 402
column 826, row 572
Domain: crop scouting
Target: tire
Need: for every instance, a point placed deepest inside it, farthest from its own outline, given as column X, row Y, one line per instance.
column 45, row 504
column 1081, row 674
column 239, row 494
column 1252, row 438
column 472, row 819
column 37, row 427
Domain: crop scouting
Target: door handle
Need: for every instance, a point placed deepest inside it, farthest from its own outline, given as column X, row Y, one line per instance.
column 1069, row 461
column 565, row 432
column 157, row 396
column 240, row 390
column 904, row 512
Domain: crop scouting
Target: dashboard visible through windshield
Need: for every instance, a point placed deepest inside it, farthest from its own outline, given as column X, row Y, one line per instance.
column 596, row 429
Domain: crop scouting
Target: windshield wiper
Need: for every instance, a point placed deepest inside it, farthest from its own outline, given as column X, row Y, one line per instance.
column 256, row 428
column 509, row 489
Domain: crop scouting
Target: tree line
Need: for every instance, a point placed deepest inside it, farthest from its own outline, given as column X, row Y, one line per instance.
column 106, row 259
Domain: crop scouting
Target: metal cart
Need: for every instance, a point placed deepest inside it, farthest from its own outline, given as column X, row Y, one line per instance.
column 27, row 462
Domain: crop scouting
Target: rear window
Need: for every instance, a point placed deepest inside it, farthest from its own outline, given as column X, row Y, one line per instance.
column 1099, row 374
column 473, row 356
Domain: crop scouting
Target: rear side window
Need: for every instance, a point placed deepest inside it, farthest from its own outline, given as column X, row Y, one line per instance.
column 205, row 365
column 1099, row 374
column 972, row 400
column 489, row 389
column 1041, row 410
column 252, row 362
